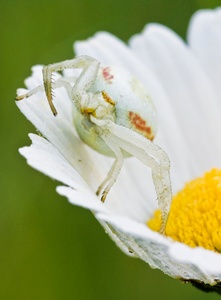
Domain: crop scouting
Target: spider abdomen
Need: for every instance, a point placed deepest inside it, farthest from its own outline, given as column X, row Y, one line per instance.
column 132, row 107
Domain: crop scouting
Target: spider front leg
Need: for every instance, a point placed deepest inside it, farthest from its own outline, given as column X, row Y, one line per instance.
column 86, row 79
column 61, row 82
column 39, row 88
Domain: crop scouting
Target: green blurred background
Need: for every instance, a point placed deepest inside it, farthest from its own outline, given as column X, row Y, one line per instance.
column 50, row 249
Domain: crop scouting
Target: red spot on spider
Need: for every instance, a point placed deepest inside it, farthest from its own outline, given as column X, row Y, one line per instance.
column 141, row 125
column 107, row 75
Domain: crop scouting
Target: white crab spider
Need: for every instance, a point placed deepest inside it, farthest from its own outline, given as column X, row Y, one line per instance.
column 114, row 115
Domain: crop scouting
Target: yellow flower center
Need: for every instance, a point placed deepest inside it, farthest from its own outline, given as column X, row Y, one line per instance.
column 195, row 213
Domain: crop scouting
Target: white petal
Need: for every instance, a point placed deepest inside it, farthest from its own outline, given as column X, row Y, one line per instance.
column 204, row 39
column 110, row 50
column 173, row 258
column 44, row 157
column 207, row 261
column 187, row 87
column 36, row 80
column 85, row 199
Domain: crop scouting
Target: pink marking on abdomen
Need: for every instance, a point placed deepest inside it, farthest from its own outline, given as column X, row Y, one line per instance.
column 107, row 75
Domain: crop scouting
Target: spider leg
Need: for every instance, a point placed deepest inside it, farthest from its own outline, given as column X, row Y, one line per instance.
column 61, row 82
column 39, row 88
column 115, row 169
column 83, row 83
column 87, row 77
column 151, row 155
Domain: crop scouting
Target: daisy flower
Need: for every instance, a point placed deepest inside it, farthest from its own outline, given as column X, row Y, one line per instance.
column 184, row 83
